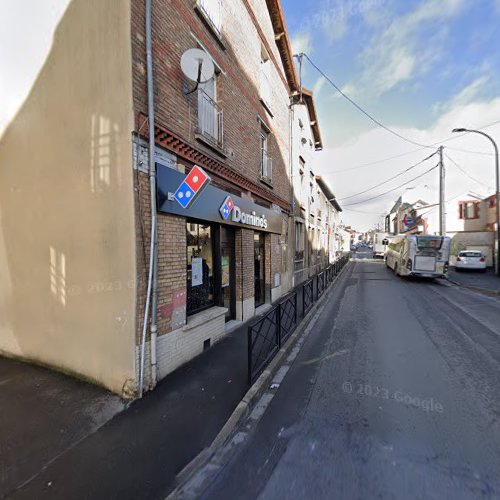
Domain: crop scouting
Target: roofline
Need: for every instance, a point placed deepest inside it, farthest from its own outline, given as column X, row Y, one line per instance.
column 283, row 42
column 328, row 192
column 313, row 118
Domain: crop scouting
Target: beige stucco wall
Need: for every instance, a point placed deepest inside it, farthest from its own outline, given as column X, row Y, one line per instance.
column 67, row 262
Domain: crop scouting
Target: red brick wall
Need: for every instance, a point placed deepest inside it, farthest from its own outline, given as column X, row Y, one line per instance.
column 238, row 96
column 173, row 22
column 244, row 252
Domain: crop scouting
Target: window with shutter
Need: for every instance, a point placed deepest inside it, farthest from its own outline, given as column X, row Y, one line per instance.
column 212, row 11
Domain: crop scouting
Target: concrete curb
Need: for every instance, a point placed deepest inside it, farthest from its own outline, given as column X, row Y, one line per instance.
column 252, row 395
column 486, row 291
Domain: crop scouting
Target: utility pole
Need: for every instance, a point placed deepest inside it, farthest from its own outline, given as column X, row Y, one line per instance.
column 442, row 213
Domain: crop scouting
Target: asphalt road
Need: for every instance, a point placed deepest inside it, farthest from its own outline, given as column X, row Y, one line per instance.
column 394, row 394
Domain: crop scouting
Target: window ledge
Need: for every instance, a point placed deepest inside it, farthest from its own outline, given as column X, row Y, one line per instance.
column 202, row 317
column 212, row 145
column 209, row 24
column 266, row 106
column 266, row 181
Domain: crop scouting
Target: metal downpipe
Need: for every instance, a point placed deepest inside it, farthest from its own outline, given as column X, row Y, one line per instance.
column 152, row 288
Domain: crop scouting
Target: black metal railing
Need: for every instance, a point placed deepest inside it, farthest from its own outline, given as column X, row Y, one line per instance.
column 263, row 342
column 307, row 296
column 320, row 284
column 288, row 316
column 268, row 333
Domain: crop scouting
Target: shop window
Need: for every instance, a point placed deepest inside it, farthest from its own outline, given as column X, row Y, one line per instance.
column 200, row 267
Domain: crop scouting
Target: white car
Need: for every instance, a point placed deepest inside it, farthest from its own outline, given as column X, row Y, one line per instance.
column 470, row 259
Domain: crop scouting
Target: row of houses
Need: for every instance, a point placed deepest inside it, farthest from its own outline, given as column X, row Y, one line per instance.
column 470, row 222
column 119, row 261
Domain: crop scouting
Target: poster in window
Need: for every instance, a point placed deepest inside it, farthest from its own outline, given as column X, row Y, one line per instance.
column 225, row 271
column 196, row 271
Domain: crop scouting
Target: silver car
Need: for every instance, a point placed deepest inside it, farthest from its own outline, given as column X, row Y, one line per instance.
column 471, row 259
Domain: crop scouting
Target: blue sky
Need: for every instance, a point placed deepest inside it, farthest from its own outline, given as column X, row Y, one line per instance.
column 420, row 66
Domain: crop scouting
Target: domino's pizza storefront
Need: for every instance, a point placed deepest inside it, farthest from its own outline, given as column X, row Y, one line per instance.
column 229, row 268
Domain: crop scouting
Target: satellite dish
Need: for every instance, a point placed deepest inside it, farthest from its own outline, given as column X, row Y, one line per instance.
column 197, row 65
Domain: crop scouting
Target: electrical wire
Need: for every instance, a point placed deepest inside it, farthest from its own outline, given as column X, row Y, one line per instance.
column 390, row 178
column 466, row 173
column 446, row 202
column 377, row 122
column 393, row 189
column 383, row 160
column 360, row 212
column 359, row 108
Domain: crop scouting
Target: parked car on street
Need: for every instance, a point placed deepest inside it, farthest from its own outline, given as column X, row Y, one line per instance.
column 471, row 259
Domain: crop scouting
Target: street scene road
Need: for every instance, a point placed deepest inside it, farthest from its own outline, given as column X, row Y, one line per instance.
column 249, row 249
column 393, row 395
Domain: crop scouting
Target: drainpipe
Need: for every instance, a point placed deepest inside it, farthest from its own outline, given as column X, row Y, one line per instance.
column 152, row 288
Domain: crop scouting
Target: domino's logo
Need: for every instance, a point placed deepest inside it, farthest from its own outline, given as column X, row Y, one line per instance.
column 226, row 208
column 191, row 187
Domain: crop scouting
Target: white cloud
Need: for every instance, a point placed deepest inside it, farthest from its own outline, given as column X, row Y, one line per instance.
column 301, row 42
column 468, row 93
column 320, row 82
column 377, row 144
column 33, row 38
column 404, row 49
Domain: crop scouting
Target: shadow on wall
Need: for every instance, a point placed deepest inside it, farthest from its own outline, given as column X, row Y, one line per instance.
column 67, row 277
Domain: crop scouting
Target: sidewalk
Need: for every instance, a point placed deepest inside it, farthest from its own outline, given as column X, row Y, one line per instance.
column 43, row 414
column 138, row 453
column 486, row 281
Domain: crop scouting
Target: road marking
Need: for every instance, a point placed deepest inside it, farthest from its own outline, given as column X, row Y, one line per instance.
column 328, row 356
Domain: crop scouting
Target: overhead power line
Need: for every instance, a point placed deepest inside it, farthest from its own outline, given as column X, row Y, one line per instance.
column 390, row 178
column 378, row 122
column 436, row 206
column 359, row 108
column 383, row 160
column 466, row 173
column 393, row 189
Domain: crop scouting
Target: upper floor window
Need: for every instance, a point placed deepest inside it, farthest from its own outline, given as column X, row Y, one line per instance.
column 210, row 115
column 212, row 11
column 468, row 210
column 266, row 170
column 265, row 78
column 299, row 240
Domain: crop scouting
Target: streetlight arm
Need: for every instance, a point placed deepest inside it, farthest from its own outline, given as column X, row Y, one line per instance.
column 497, row 194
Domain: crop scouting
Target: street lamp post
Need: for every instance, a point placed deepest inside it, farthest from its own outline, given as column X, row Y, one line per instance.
column 497, row 200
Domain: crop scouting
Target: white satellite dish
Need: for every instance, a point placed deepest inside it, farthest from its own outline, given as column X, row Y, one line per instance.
column 197, row 65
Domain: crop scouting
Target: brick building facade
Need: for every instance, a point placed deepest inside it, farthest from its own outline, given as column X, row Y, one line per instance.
column 236, row 128
column 86, row 284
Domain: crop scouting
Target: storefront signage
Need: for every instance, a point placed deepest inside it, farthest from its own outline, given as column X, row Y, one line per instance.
column 209, row 203
column 229, row 209
column 191, row 187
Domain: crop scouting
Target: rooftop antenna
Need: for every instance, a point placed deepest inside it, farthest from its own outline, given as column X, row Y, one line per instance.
column 198, row 66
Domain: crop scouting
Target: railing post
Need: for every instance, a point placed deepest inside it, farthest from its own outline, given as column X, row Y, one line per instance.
column 304, row 299
column 278, row 333
column 295, row 303
column 249, row 335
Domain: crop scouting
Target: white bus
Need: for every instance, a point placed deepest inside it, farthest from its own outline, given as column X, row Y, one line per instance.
column 419, row 255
